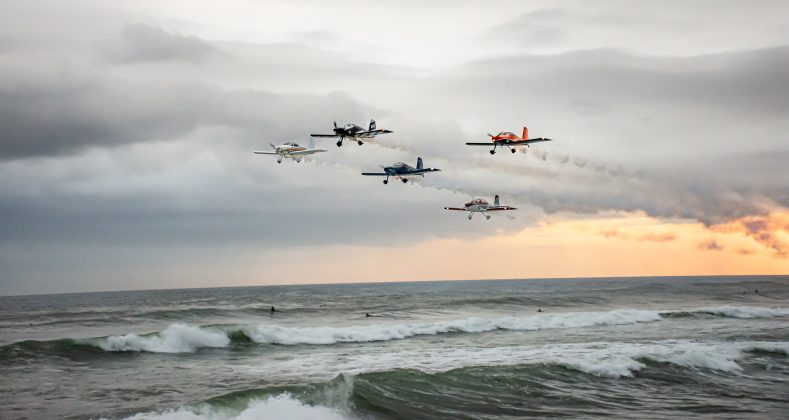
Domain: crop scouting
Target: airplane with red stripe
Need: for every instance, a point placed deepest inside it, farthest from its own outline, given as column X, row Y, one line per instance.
column 479, row 205
column 509, row 140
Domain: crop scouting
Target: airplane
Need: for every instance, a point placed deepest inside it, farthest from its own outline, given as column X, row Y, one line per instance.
column 292, row 150
column 354, row 132
column 508, row 139
column 479, row 205
column 402, row 171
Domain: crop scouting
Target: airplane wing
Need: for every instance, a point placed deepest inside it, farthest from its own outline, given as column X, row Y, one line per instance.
column 500, row 208
column 490, row 143
column 529, row 141
column 324, row 135
column 455, row 208
column 266, row 153
column 306, row 152
column 375, row 173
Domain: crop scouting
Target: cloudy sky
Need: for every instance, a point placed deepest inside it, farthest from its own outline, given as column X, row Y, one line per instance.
column 127, row 131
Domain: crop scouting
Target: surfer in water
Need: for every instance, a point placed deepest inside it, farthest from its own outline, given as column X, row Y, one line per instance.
column 273, row 310
column 539, row 310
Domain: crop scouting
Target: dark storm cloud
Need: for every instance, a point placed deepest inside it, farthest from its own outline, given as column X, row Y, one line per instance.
column 141, row 42
column 750, row 83
column 56, row 113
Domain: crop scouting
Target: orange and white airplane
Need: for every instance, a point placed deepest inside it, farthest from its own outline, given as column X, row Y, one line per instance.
column 509, row 139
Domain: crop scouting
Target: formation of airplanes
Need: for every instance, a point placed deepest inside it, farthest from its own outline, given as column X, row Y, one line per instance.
column 404, row 171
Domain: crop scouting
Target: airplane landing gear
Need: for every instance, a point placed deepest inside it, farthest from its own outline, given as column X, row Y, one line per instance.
column 492, row 152
column 386, row 181
column 404, row 180
column 360, row 142
column 512, row 150
column 339, row 143
column 487, row 217
column 470, row 215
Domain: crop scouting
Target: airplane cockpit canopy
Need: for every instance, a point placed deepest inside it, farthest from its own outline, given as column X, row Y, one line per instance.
column 507, row 133
column 291, row 144
column 476, row 201
column 398, row 164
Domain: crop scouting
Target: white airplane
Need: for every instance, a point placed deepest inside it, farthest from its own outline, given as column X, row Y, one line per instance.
column 479, row 205
column 292, row 151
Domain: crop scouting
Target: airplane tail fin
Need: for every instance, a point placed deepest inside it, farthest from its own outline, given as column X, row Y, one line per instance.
column 496, row 201
column 419, row 163
column 372, row 125
column 525, row 133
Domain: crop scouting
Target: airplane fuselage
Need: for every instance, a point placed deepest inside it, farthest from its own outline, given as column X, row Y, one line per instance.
column 478, row 206
column 351, row 130
column 398, row 169
column 285, row 149
column 403, row 171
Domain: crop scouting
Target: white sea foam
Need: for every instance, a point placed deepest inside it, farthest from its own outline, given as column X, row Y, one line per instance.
column 282, row 406
column 177, row 338
column 604, row 359
column 744, row 311
column 274, row 334
column 181, row 338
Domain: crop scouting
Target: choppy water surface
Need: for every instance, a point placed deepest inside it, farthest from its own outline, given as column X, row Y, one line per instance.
column 642, row 347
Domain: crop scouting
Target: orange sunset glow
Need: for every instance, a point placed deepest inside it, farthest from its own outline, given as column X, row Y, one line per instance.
column 617, row 245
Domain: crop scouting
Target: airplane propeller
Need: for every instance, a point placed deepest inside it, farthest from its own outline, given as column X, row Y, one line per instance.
column 339, row 133
column 491, row 135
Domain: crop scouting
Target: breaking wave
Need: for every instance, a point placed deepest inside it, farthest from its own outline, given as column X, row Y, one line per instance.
column 182, row 338
column 272, row 334
column 187, row 338
column 403, row 383
column 743, row 311
column 282, row 406
column 177, row 338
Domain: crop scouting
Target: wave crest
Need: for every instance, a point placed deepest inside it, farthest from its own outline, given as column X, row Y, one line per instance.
column 273, row 334
column 186, row 338
column 177, row 338
column 745, row 311
column 282, row 406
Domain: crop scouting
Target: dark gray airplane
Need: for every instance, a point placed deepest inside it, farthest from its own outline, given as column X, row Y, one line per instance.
column 402, row 171
column 353, row 131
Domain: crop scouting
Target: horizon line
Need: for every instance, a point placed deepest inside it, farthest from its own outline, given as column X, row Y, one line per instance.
column 388, row 282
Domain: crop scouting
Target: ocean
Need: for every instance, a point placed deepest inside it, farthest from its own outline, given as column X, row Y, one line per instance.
column 649, row 347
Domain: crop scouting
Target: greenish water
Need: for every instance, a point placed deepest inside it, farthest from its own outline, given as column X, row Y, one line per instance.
column 638, row 347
